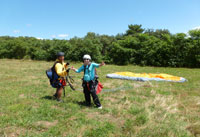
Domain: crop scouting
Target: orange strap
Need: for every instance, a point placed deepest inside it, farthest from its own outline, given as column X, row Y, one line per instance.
column 88, row 86
column 63, row 82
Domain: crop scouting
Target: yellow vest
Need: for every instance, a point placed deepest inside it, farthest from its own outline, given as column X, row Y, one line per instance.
column 61, row 68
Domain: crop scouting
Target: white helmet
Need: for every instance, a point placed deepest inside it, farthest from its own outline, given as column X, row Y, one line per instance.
column 87, row 57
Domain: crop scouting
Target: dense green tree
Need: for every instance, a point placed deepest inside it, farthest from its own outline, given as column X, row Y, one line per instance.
column 136, row 46
column 134, row 29
column 194, row 53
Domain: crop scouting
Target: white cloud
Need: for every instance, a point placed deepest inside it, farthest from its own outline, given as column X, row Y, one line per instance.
column 63, row 35
column 39, row 38
column 28, row 25
column 198, row 27
column 53, row 36
column 187, row 35
column 16, row 31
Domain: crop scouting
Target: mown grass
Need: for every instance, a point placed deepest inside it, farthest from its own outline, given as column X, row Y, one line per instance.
column 155, row 109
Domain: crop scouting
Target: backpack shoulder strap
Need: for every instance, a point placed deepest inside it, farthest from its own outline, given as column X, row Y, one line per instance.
column 88, row 67
column 84, row 69
column 53, row 69
column 54, row 65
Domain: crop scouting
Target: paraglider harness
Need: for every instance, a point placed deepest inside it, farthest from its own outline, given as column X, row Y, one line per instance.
column 56, row 81
column 94, row 83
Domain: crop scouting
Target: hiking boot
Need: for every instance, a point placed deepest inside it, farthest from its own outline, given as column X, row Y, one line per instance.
column 88, row 104
column 60, row 100
column 99, row 107
column 55, row 95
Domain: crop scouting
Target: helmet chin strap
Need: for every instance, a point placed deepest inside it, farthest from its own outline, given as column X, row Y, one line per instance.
column 87, row 63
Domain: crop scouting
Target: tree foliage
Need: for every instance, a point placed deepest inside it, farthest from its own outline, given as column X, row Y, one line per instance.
column 136, row 46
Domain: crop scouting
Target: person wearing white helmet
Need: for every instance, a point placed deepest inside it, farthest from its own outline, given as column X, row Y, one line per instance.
column 89, row 80
column 86, row 57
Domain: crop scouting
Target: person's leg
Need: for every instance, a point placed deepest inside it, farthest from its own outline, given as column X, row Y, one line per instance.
column 55, row 95
column 94, row 95
column 59, row 92
column 95, row 99
column 87, row 96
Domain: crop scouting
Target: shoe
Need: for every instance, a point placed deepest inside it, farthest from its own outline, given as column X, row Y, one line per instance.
column 99, row 107
column 88, row 104
column 59, row 100
column 55, row 95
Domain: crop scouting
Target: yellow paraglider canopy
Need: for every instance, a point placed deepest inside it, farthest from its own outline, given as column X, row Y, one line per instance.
column 150, row 75
column 145, row 76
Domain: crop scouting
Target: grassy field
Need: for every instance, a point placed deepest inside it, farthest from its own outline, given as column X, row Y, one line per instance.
column 153, row 109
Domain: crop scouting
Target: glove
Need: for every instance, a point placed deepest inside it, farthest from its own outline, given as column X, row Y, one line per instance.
column 68, row 70
column 67, row 63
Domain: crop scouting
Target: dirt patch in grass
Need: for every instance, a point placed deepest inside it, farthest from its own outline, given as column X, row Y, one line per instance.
column 123, row 105
column 198, row 103
column 72, row 118
column 138, row 84
column 147, row 86
column 107, row 117
column 153, row 92
column 113, row 83
column 78, row 132
column 36, row 105
column 194, row 129
column 119, row 101
column 168, row 103
column 21, row 96
column 120, row 98
column 13, row 131
column 110, row 99
column 163, row 105
column 56, row 107
column 46, row 124
column 82, row 130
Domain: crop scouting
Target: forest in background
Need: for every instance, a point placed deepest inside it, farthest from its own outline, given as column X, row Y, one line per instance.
column 137, row 46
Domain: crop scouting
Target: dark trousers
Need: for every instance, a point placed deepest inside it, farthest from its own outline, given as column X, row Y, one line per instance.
column 90, row 89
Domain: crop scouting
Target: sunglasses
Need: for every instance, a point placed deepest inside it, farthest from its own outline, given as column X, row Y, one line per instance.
column 85, row 59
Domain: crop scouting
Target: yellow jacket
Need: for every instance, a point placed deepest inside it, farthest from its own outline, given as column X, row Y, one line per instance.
column 61, row 68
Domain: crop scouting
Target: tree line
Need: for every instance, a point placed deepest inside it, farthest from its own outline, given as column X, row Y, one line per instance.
column 137, row 46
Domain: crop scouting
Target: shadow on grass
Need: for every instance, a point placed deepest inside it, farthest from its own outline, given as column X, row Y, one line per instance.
column 83, row 104
column 48, row 97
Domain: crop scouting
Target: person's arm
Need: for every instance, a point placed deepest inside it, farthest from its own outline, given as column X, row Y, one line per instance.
column 66, row 65
column 98, row 65
column 102, row 64
column 78, row 70
column 59, row 70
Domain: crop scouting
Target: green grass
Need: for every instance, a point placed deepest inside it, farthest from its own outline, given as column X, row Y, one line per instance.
column 155, row 109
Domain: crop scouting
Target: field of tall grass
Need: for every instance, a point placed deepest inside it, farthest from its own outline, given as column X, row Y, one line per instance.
column 130, row 108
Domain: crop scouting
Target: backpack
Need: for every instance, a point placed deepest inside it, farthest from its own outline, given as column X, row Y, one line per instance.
column 53, row 76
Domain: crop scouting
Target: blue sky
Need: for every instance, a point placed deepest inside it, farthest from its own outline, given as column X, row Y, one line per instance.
column 64, row 19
